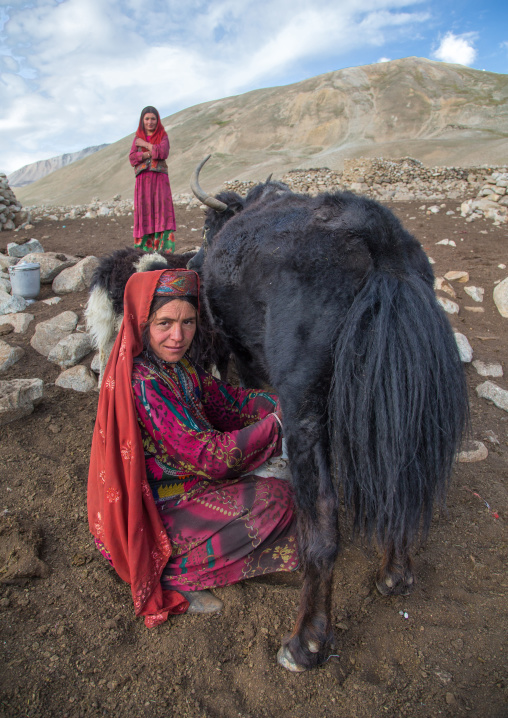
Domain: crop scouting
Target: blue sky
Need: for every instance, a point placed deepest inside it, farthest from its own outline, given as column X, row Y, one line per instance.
column 75, row 73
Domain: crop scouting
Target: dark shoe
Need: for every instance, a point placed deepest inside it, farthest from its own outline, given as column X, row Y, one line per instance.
column 202, row 602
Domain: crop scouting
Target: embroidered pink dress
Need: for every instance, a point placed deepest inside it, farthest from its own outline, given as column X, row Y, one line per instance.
column 200, row 437
column 153, row 205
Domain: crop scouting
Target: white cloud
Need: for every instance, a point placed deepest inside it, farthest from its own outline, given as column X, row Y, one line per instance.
column 384, row 59
column 457, row 48
column 77, row 72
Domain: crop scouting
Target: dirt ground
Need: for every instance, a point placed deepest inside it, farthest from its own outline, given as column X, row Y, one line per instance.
column 71, row 646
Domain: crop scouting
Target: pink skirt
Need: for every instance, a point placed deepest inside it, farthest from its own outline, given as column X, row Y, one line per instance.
column 153, row 204
column 224, row 532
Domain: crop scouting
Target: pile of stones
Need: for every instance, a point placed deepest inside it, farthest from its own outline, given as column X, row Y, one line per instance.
column 12, row 215
column 62, row 339
column 405, row 179
column 115, row 207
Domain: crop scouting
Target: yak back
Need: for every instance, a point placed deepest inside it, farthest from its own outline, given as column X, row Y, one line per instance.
column 305, row 257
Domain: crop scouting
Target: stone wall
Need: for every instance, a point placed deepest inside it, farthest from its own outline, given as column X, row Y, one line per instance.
column 11, row 213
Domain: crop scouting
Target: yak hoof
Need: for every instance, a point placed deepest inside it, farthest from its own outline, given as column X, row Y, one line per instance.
column 286, row 660
column 313, row 646
column 388, row 587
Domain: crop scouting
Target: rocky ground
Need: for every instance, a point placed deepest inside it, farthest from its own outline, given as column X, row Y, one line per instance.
column 70, row 644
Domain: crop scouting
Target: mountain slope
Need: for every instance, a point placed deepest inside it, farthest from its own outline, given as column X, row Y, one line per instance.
column 439, row 113
column 37, row 170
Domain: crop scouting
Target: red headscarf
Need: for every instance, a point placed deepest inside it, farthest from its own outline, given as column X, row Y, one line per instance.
column 122, row 513
column 156, row 137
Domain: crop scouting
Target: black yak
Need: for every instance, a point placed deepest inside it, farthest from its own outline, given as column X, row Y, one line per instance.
column 330, row 300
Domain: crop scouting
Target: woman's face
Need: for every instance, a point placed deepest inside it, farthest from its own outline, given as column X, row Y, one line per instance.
column 149, row 123
column 172, row 330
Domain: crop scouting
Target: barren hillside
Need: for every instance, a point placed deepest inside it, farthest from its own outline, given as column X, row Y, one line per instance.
column 439, row 113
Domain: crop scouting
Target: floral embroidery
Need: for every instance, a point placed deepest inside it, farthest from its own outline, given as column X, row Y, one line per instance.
column 123, row 348
column 102, row 435
column 99, row 529
column 110, row 383
column 127, row 451
column 102, row 476
column 113, row 495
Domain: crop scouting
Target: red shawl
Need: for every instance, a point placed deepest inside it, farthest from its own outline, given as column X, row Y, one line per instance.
column 122, row 513
column 158, row 134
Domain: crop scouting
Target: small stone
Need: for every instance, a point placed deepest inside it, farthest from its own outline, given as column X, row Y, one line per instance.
column 450, row 699
column 486, row 369
column 493, row 392
column 457, row 276
column 79, row 378
column 476, row 293
column 21, row 250
column 52, row 300
column 464, row 347
column 441, row 285
column 475, row 451
column 477, row 310
column 449, row 306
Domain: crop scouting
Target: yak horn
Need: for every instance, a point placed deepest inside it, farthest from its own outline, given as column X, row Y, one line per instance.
column 269, row 178
column 201, row 195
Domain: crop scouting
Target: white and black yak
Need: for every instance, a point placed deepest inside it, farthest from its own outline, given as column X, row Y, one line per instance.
column 330, row 300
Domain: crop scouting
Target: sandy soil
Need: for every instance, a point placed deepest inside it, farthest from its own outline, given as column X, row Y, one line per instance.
column 70, row 643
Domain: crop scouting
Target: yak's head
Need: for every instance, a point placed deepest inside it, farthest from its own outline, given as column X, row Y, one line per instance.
column 220, row 210
column 225, row 206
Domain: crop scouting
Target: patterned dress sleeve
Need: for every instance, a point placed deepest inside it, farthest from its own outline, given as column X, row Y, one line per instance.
column 161, row 151
column 178, row 435
column 135, row 155
column 230, row 407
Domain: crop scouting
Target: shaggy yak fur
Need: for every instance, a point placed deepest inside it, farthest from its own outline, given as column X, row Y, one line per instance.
column 330, row 300
column 104, row 311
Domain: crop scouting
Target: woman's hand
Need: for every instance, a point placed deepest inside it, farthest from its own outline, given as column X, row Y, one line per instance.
column 141, row 143
column 146, row 155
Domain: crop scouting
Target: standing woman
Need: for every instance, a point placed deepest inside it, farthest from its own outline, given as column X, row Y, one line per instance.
column 154, row 216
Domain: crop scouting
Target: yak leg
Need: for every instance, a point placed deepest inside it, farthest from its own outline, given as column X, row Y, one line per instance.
column 395, row 576
column 318, row 537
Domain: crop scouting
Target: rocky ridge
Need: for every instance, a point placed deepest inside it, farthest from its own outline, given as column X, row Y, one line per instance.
column 378, row 178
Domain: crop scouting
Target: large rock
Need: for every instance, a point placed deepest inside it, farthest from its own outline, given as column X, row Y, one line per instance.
column 5, row 285
column 70, row 350
column 19, row 321
column 76, row 278
column 21, row 250
column 49, row 333
column 9, row 304
column 9, row 356
column 493, row 392
column 51, row 263
column 78, row 378
column 501, row 297
column 7, row 261
column 18, row 398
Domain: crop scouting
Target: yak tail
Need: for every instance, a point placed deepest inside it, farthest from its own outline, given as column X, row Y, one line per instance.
column 398, row 407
